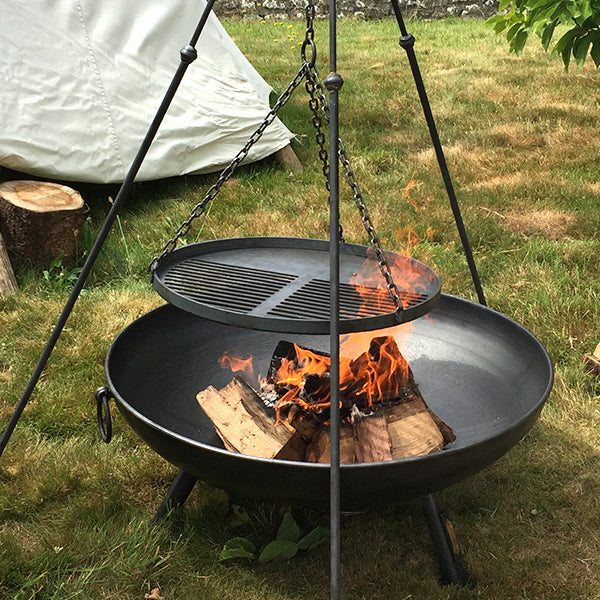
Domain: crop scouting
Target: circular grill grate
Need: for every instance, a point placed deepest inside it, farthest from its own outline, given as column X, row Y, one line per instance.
column 282, row 284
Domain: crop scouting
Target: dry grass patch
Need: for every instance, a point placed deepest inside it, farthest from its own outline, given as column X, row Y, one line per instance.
column 471, row 163
column 552, row 224
column 593, row 187
column 516, row 135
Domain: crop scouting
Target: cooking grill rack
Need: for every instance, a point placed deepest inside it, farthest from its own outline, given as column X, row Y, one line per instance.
column 282, row 284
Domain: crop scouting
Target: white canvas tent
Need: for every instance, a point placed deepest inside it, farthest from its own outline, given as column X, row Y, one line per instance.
column 81, row 80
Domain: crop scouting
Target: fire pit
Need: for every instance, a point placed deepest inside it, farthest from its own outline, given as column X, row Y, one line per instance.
column 482, row 373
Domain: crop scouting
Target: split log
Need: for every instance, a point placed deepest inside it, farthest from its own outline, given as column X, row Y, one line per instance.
column 41, row 221
column 319, row 448
column 242, row 423
column 372, row 442
column 412, row 430
column 8, row 283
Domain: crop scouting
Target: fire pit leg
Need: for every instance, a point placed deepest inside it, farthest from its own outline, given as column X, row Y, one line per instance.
column 180, row 489
column 447, row 550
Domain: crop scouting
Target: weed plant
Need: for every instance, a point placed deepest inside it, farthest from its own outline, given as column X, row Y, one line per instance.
column 522, row 141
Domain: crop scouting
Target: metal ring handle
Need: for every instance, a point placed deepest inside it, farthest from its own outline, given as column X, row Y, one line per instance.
column 103, row 395
column 313, row 52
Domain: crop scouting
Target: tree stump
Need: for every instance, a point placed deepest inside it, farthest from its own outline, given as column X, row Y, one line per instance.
column 8, row 283
column 41, row 221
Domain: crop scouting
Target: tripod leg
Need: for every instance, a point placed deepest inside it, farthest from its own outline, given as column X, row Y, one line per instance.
column 450, row 559
column 178, row 493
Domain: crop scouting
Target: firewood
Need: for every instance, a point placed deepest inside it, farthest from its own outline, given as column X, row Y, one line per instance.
column 372, row 441
column 412, row 430
column 391, row 421
column 241, row 422
column 319, row 449
column 591, row 362
column 293, row 449
column 8, row 283
column 41, row 221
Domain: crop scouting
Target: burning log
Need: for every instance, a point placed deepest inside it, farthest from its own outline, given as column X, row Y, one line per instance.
column 383, row 414
column 241, row 421
column 380, row 400
column 318, row 449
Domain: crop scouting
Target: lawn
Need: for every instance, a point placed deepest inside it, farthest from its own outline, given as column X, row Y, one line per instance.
column 522, row 139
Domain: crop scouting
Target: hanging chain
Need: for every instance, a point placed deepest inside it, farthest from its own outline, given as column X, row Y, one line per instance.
column 317, row 101
column 382, row 262
column 228, row 171
column 317, row 122
column 311, row 86
column 317, row 92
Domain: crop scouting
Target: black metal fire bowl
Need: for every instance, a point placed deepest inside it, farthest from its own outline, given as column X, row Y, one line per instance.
column 481, row 372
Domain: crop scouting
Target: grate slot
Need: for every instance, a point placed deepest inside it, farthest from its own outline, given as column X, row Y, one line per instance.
column 230, row 286
column 312, row 301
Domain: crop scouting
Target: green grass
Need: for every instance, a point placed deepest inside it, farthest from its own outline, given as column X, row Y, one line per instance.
column 522, row 141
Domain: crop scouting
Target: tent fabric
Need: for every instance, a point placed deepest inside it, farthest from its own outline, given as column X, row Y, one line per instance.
column 81, row 81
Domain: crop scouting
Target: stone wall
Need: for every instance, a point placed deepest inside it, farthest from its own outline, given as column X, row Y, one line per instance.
column 279, row 10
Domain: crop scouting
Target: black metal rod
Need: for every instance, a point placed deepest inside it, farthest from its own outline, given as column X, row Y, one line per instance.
column 333, row 83
column 407, row 42
column 188, row 55
column 178, row 493
column 334, row 277
column 448, row 554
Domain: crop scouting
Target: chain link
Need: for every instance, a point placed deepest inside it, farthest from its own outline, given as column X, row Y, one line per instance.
column 382, row 262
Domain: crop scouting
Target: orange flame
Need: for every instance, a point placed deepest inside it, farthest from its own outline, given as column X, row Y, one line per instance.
column 375, row 375
column 406, row 274
column 237, row 364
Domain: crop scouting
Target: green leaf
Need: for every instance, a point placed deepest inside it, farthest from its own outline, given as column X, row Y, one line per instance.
column 278, row 550
column 311, row 540
column 510, row 34
column 238, row 517
column 237, row 547
column 519, row 42
column 595, row 51
column 585, row 7
column 500, row 27
column 502, row 5
column 580, row 49
column 289, row 529
column 565, row 45
column 548, row 32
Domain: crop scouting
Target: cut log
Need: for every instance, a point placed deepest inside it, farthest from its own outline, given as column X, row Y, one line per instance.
column 287, row 158
column 241, row 422
column 8, row 283
column 591, row 362
column 41, row 221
